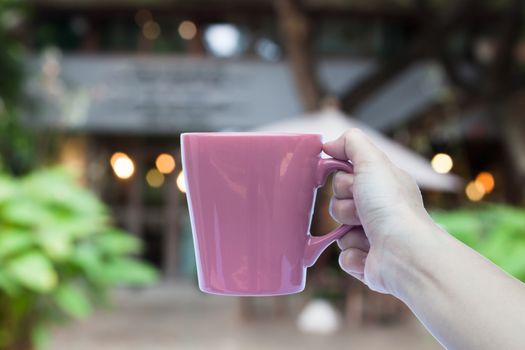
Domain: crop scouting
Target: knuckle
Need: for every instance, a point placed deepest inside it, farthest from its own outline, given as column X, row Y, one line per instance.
column 352, row 133
column 336, row 209
column 342, row 242
column 343, row 210
column 341, row 184
column 338, row 184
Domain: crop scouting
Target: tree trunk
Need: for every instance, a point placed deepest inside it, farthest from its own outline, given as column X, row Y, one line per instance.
column 513, row 136
column 16, row 324
column 296, row 34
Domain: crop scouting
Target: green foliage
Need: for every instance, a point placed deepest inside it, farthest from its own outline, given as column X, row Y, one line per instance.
column 72, row 300
column 10, row 50
column 495, row 231
column 31, row 270
column 58, row 253
column 17, row 152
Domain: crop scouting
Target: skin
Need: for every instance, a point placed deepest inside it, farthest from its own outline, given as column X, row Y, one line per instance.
column 464, row 300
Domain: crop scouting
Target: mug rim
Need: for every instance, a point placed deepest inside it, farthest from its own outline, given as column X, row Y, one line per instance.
column 248, row 133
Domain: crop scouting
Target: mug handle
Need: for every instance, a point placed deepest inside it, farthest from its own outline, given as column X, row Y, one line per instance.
column 315, row 245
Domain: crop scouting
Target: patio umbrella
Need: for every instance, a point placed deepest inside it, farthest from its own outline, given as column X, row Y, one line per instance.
column 330, row 123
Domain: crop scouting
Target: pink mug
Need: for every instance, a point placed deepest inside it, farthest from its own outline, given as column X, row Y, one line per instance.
column 251, row 198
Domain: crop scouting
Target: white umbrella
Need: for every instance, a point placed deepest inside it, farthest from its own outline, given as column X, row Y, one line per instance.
column 331, row 123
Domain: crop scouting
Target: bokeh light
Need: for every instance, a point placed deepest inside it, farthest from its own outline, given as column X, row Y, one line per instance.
column 151, row 30
column 474, row 191
column 122, row 165
column 187, row 30
column 486, row 180
column 442, row 163
column 268, row 50
column 115, row 156
column 181, row 182
column 154, row 178
column 165, row 163
column 223, row 40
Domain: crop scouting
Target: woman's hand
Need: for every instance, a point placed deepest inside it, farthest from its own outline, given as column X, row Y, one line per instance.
column 383, row 202
column 463, row 299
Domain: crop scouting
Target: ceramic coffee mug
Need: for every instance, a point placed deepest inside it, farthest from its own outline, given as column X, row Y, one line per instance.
column 251, row 198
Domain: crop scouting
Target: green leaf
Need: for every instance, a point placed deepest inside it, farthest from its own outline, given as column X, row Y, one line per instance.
column 57, row 187
column 7, row 188
column 89, row 260
column 495, row 231
column 79, row 227
column 116, row 242
column 514, row 261
column 462, row 224
column 7, row 285
column 495, row 247
column 56, row 244
column 13, row 241
column 72, row 300
column 126, row 271
column 510, row 216
column 25, row 212
column 34, row 271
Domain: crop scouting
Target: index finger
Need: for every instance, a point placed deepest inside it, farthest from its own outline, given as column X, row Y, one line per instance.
column 352, row 145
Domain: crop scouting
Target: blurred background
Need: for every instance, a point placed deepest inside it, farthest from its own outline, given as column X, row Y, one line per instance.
column 95, row 243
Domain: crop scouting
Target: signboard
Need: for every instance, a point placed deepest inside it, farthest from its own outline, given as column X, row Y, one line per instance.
column 167, row 94
column 170, row 94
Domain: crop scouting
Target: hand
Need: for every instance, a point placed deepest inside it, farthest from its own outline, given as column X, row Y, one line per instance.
column 463, row 299
column 385, row 205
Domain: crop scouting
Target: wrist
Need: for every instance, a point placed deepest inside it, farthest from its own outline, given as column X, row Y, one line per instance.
column 409, row 257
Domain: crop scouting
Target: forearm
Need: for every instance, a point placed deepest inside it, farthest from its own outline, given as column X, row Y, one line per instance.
column 464, row 300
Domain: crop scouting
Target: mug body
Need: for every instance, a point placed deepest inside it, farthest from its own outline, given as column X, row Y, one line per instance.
column 251, row 199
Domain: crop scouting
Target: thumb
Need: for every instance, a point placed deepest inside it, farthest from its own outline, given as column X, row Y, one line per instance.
column 355, row 146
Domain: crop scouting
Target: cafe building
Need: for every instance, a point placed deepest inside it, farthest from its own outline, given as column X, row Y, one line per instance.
column 117, row 82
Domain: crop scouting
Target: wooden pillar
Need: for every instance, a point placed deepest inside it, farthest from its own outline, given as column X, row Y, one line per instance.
column 93, row 150
column 134, row 210
column 354, row 300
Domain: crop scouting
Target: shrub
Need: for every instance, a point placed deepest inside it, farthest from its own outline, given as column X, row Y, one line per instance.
column 495, row 231
column 59, row 254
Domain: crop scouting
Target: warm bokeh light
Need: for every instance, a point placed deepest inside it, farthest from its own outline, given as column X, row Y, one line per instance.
column 181, row 183
column 122, row 165
column 142, row 16
column 442, row 163
column 165, row 163
column 151, row 30
column 154, row 178
column 486, row 180
column 474, row 191
column 187, row 30
column 116, row 156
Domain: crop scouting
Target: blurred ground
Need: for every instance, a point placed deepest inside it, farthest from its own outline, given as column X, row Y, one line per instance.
column 177, row 317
